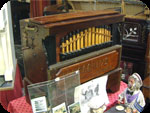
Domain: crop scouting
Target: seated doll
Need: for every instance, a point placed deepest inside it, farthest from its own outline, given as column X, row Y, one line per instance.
column 132, row 97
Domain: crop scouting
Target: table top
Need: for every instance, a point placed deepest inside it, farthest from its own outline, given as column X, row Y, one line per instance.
column 7, row 96
column 21, row 106
column 114, row 110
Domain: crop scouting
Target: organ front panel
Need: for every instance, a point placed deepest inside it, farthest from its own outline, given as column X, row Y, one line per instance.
column 71, row 41
column 85, row 40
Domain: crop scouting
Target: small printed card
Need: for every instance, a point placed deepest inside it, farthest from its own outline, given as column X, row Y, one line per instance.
column 60, row 108
column 39, row 104
column 74, row 108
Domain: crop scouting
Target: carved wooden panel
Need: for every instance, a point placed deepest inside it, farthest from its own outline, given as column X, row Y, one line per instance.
column 93, row 67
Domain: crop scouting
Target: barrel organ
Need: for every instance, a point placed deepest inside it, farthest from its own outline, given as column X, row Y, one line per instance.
column 58, row 44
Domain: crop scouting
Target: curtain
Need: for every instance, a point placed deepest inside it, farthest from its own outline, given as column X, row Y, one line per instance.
column 37, row 7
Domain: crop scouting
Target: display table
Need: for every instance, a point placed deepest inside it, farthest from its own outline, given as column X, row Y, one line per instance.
column 113, row 110
column 16, row 92
column 113, row 97
column 21, row 106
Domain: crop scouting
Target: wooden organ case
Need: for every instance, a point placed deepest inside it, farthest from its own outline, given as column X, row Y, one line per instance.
column 59, row 44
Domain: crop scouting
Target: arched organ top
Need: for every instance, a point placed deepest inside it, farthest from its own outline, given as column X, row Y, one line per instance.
column 64, row 36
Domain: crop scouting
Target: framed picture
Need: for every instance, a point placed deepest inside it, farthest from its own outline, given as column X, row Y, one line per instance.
column 131, row 32
column 74, row 108
column 89, row 94
column 7, row 51
column 39, row 104
column 60, row 108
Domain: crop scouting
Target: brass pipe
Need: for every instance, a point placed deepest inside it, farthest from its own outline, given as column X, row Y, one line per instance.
column 74, row 41
column 70, row 41
column 97, row 31
column 67, row 42
column 78, row 40
column 89, row 36
column 81, row 34
column 86, row 37
column 93, row 35
column 63, row 44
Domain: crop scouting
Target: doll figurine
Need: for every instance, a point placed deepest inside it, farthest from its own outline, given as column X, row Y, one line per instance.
column 133, row 97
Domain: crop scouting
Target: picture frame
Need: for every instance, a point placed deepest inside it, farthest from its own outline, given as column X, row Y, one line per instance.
column 39, row 104
column 60, row 108
column 74, row 108
column 131, row 32
column 88, row 94
column 8, row 61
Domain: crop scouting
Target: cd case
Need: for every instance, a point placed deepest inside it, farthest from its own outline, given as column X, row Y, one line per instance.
column 54, row 95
